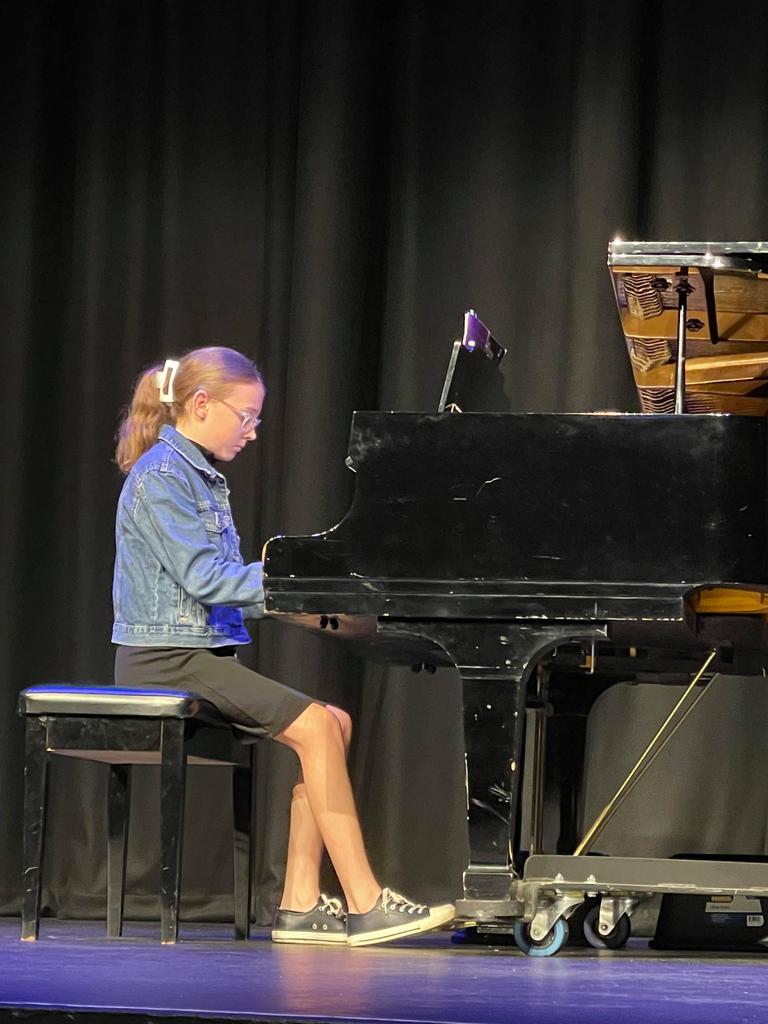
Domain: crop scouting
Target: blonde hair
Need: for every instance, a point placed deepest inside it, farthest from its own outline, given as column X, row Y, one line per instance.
column 215, row 369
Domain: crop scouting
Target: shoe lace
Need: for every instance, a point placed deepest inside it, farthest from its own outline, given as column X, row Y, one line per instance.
column 394, row 901
column 330, row 905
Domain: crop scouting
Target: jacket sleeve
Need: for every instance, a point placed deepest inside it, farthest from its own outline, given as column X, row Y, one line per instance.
column 167, row 518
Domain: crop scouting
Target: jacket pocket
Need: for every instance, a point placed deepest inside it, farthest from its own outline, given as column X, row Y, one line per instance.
column 190, row 612
column 216, row 520
column 221, row 530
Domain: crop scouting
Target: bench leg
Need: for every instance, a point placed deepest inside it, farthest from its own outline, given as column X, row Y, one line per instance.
column 243, row 779
column 35, row 800
column 173, row 765
column 118, row 816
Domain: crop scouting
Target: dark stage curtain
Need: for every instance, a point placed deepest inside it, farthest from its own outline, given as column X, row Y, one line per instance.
column 326, row 186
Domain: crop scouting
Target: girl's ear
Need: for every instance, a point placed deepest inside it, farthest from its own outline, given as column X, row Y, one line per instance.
column 200, row 404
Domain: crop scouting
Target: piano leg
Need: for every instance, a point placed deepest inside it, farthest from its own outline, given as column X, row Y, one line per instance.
column 495, row 661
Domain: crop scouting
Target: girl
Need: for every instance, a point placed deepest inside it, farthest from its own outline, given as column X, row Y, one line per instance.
column 181, row 590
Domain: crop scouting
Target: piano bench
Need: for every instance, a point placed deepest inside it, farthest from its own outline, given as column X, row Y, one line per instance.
column 122, row 727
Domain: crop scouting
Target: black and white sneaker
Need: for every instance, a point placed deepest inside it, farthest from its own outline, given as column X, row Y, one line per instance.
column 393, row 917
column 325, row 922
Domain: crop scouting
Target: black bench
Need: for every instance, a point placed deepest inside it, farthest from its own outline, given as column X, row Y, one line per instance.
column 122, row 727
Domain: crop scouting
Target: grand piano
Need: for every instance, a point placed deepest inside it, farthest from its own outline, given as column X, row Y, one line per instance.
column 614, row 545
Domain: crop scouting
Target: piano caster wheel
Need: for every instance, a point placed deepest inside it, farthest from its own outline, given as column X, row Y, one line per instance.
column 615, row 939
column 552, row 942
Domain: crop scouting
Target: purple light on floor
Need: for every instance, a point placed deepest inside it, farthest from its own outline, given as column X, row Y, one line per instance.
column 427, row 980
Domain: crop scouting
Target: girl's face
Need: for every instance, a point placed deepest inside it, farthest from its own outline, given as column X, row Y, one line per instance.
column 224, row 426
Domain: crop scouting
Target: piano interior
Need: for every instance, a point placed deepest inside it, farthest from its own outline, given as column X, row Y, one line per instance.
column 726, row 336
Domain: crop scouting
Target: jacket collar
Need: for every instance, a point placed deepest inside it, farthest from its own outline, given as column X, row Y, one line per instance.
column 188, row 451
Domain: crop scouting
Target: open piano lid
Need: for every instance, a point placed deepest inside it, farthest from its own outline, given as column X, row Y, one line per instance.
column 726, row 366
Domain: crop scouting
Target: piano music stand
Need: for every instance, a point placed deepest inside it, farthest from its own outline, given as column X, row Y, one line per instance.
column 474, row 384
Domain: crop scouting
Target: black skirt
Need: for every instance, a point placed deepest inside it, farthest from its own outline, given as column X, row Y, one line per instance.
column 253, row 703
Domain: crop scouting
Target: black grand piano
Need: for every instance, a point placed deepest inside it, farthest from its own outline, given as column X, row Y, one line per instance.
column 628, row 545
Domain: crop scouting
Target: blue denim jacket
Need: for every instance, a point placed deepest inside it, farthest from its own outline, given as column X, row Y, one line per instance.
column 179, row 577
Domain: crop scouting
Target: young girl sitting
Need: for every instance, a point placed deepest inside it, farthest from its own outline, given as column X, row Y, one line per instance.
column 180, row 592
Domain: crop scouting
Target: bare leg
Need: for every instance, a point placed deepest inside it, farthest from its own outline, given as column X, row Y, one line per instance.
column 318, row 738
column 305, row 853
column 305, row 844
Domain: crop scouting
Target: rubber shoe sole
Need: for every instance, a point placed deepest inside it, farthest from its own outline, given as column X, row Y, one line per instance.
column 309, row 938
column 400, row 929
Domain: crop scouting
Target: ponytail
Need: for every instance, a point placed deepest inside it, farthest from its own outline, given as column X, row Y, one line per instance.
column 140, row 426
column 216, row 369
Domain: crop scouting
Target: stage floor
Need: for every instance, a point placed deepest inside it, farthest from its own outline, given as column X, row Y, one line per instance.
column 73, row 970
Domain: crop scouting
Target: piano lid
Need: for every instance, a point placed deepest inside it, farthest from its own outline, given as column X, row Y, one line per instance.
column 726, row 367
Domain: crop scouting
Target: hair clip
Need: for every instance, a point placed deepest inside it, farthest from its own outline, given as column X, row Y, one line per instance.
column 165, row 379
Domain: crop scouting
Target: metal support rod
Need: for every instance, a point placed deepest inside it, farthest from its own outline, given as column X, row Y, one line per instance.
column 539, row 760
column 671, row 724
column 683, row 289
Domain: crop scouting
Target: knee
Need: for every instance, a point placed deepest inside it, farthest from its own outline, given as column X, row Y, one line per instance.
column 344, row 721
column 300, row 791
column 315, row 725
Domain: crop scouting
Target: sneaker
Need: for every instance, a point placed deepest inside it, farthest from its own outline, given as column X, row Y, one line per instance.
column 392, row 917
column 325, row 922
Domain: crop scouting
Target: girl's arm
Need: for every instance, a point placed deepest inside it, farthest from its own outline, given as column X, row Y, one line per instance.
column 166, row 515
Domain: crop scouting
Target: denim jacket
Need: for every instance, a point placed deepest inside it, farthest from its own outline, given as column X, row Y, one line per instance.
column 179, row 577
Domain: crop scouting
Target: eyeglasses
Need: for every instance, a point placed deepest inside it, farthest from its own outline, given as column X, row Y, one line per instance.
column 248, row 422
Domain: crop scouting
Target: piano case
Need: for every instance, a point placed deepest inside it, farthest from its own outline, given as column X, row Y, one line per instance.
column 714, row 922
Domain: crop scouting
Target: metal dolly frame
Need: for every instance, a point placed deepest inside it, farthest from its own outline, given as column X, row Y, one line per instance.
column 554, row 886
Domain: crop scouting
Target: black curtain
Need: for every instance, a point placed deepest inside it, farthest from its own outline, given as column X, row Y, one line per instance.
column 326, row 186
